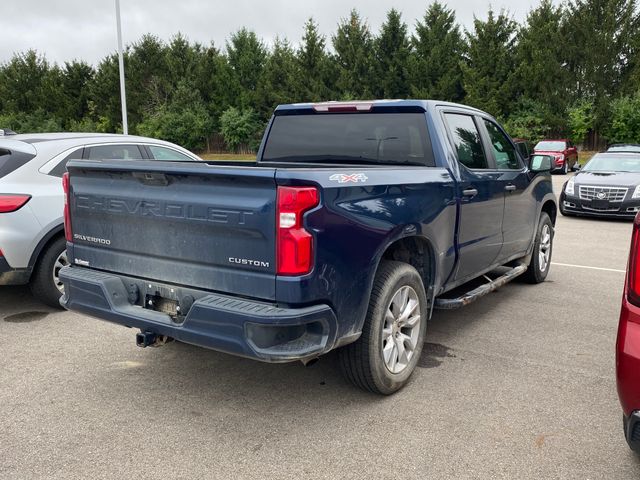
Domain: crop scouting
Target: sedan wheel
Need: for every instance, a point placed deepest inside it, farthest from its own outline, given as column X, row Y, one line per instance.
column 60, row 262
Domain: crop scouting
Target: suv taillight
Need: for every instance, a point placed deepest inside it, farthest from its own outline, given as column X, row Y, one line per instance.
column 294, row 250
column 633, row 274
column 67, row 218
column 10, row 203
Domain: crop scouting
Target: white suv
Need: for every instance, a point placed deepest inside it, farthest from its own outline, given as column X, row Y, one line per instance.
column 32, row 243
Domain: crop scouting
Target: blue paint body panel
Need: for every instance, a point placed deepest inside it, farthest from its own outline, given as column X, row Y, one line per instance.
column 202, row 230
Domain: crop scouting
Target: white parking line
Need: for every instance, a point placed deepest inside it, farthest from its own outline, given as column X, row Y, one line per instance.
column 587, row 267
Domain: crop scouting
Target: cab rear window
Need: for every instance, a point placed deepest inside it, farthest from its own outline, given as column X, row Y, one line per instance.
column 11, row 161
column 368, row 138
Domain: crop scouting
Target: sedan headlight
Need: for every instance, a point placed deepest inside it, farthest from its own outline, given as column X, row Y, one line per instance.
column 636, row 192
column 569, row 187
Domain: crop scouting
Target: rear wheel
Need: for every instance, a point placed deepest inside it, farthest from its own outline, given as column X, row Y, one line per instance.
column 387, row 352
column 541, row 257
column 45, row 282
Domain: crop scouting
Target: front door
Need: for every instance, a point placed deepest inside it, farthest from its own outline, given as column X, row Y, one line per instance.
column 520, row 206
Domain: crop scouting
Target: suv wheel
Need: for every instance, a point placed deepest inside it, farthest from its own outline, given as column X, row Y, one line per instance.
column 45, row 282
column 565, row 167
column 541, row 257
column 387, row 352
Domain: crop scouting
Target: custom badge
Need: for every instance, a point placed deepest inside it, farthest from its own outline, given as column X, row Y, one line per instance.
column 348, row 177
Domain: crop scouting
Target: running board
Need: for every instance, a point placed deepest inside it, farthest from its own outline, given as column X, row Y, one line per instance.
column 479, row 292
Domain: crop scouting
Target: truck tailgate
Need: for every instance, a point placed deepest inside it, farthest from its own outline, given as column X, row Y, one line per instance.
column 191, row 224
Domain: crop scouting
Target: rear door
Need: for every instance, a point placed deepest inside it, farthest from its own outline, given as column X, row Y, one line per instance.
column 482, row 198
column 188, row 223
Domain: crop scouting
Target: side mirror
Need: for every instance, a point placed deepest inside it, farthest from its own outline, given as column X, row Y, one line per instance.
column 540, row 163
column 576, row 167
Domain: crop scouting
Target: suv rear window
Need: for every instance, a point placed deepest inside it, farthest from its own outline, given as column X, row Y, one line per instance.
column 371, row 138
column 10, row 161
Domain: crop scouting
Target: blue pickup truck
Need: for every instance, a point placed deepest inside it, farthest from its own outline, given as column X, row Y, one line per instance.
column 355, row 222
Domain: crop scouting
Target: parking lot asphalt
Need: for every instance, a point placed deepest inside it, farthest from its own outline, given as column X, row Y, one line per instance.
column 518, row 385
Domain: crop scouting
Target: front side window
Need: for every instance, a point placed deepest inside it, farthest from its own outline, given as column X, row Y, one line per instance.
column 466, row 139
column 503, row 151
column 114, row 152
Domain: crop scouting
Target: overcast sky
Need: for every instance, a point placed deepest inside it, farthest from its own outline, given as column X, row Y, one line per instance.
column 85, row 29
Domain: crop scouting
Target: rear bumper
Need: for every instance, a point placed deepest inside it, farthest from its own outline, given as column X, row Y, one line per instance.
column 233, row 325
column 13, row 276
column 632, row 430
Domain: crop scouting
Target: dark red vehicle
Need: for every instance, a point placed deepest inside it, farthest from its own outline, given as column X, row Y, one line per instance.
column 562, row 150
column 628, row 345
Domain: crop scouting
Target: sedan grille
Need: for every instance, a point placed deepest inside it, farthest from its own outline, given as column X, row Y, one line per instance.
column 612, row 194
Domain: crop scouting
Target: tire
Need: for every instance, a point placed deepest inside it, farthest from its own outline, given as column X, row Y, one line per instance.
column 565, row 167
column 43, row 281
column 544, row 238
column 363, row 362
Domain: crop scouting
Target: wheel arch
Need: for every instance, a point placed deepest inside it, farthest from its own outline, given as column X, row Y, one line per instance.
column 417, row 251
column 51, row 236
column 550, row 208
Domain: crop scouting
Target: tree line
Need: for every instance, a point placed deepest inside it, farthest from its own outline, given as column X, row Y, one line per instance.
column 571, row 69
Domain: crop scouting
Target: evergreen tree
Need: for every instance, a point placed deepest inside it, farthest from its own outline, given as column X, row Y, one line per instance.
column 487, row 71
column 392, row 58
column 247, row 56
column 278, row 83
column 598, row 35
column 435, row 63
column 541, row 80
column 314, row 77
column 353, row 46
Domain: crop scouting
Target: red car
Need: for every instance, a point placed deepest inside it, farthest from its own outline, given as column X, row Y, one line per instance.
column 628, row 345
column 562, row 150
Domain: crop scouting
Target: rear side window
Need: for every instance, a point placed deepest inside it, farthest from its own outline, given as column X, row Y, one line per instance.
column 503, row 151
column 11, row 161
column 466, row 139
column 61, row 167
column 375, row 138
column 114, row 152
column 164, row 153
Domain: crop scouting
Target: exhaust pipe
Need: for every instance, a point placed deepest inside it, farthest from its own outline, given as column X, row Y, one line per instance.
column 150, row 339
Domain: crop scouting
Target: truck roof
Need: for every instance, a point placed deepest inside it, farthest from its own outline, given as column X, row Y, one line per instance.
column 366, row 105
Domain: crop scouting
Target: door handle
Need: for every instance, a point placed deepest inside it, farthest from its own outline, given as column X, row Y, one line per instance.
column 510, row 188
column 470, row 192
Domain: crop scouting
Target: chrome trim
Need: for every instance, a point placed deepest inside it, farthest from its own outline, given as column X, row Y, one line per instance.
column 612, row 194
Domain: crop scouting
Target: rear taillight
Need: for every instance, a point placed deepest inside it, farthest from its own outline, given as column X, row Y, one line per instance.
column 67, row 218
column 11, row 203
column 633, row 278
column 294, row 244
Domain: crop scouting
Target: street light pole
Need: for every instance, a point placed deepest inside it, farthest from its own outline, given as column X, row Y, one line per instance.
column 123, row 95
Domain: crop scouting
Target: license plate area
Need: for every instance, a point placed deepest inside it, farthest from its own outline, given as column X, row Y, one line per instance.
column 600, row 204
column 162, row 304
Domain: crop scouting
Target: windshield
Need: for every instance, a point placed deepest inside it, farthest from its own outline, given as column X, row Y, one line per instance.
column 624, row 148
column 613, row 163
column 368, row 138
column 553, row 146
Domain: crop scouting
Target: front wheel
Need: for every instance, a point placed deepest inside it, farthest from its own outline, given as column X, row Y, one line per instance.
column 565, row 167
column 386, row 354
column 541, row 257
